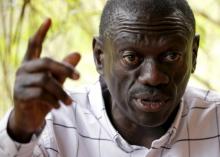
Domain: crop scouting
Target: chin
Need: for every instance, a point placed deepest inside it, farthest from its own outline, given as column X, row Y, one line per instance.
column 153, row 124
column 150, row 120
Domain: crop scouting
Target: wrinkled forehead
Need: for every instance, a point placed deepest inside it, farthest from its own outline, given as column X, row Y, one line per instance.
column 146, row 23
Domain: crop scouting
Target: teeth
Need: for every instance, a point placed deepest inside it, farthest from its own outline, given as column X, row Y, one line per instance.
column 149, row 104
column 155, row 106
column 139, row 100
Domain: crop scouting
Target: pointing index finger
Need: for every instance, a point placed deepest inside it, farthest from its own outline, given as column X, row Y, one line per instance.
column 35, row 43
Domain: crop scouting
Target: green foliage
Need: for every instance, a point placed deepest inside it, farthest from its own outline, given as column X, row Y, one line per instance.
column 208, row 26
column 75, row 22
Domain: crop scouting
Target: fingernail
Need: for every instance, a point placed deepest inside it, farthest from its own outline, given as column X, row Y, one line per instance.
column 48, row 21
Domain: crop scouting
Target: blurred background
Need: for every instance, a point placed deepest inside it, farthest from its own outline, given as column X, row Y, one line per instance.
column 75, row 22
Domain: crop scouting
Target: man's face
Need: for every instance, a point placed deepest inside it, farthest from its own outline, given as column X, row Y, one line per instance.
column 147, row 64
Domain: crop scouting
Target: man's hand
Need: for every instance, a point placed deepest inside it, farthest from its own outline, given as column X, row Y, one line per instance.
column 38, row 87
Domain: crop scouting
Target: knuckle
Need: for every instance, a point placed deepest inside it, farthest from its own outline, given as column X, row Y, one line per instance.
column 39, row 93
column 47, row 61
column 17, row 91
column 26, row 96
column 18, row 81
column 21, row 69
column 44, row 78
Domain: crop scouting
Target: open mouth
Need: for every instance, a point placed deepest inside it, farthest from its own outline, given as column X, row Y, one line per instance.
column 147, row 105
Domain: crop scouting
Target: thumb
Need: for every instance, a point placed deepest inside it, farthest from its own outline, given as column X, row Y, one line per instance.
column 72, row 59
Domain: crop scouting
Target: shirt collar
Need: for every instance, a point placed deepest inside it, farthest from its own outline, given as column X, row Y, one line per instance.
column 99, row 111
column 166, row 139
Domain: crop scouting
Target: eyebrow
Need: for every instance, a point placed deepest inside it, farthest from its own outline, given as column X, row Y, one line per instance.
column 137, row 37
column 174, row 41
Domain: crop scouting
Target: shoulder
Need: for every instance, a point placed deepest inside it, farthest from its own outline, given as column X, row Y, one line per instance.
column 200, row 121
column 200, row 97
column 202, row 109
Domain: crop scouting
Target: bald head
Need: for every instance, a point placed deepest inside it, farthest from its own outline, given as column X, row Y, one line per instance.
column 114, row 10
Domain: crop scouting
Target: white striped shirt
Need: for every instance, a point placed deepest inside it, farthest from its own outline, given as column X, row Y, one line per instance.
column 84, row 130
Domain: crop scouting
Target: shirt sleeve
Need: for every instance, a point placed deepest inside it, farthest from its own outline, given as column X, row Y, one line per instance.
column 11, row 148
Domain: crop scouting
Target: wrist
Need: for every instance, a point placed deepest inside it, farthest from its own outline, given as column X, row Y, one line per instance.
column 19, row 132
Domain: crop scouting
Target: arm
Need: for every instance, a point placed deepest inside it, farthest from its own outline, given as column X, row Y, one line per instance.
column 37, row 90
column 9, row 147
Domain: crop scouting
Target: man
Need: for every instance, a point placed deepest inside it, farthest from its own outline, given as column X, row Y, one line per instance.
column 145, row 54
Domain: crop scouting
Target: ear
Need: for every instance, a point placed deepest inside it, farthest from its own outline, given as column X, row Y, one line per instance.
column 98, row 54
column 195, row 51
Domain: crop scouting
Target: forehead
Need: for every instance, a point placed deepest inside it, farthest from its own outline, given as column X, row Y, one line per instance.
column 148, row 26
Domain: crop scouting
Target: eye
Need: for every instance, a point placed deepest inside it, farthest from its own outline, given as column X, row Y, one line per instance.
column 171, row 57
column 131, row 58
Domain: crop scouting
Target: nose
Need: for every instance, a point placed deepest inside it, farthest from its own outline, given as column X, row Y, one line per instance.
column 152, row 75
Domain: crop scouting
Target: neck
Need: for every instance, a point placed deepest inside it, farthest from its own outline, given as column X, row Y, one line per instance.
column 136, row 134
column 129, row 130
